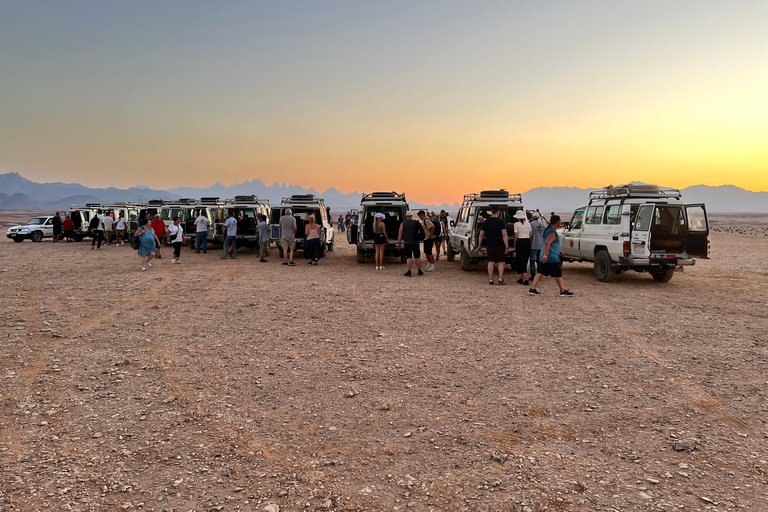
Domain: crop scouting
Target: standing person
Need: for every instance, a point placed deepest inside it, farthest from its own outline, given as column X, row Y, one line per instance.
column 230, row 230
column 201, row 233
column 341, row 224
column 522, row 241
column 494, row 230
column 120, row 227
column 312, row 240
column 288, row 236
column 56, row 227
column 445, row 221
column 409, row 233
column 537, row 240
column 429, row 240
column 437, row 235
column 108, row 223
column 263, row 238
column 541, row 216
column 97, row 228
column 176, row 235
column 148, row 243
column 550, row 259
column 159, row 226
column 380, row 239
column 69, row 229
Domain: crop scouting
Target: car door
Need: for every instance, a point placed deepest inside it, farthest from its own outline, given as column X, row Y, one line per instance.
column 641, row 234
column 48, row 228
column 697, row 239
column 571, row 237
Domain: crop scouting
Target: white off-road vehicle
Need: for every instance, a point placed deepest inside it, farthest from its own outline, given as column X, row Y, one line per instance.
column 36, row 229
column 301, row 206
column 360, row 230
column 213, row 209
column 466, row 228
column 81, row 216
column 643, row 228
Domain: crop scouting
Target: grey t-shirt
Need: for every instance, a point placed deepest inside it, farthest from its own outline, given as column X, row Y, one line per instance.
column 286, row 227
column 537, row 234
column 263, row 231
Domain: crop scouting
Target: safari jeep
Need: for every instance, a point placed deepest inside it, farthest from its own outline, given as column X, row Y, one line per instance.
column 301, row 206
column 360, row 231
column 81, row 217
column 244, row 209
column 36, row 229
column 211, row 208
column 643, row 228
column 474, row 210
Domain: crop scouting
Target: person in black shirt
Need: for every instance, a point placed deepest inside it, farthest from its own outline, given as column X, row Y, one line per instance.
column 56, row 227
column 408, row 234
column 494, row 230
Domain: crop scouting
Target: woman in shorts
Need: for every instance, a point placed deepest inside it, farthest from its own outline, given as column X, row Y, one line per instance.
column 380, row 239
column 176, row 235
column 550, row 258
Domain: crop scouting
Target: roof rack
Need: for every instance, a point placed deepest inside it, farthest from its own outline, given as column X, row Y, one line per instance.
column 383, row 196
column 634, row 190
column 302, row 198
column 252, row 199
column 187, row 200
column 155, row 202
column 93, row 205
column 494, row 195
column 209, row 200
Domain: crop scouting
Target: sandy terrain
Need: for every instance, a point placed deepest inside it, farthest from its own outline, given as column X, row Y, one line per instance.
column 233, row 385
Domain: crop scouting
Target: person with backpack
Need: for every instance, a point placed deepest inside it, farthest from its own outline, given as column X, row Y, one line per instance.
column 429, row 239
column 408, row 238
column 147, row 243
column 551, row 264
column 96, row 227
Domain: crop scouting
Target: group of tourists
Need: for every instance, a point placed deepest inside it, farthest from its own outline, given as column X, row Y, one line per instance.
column 430, row 230
column 536, row 245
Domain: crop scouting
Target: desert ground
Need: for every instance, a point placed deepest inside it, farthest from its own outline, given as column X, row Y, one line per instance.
column 237, row 385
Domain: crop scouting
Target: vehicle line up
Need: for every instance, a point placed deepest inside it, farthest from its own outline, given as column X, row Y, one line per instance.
column 643, row 228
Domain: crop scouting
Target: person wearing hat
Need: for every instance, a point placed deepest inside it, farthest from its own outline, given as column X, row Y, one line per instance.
column 537, row 241
column 429, row 239
column 408, row 239
column 522, row 241
column 380, row 239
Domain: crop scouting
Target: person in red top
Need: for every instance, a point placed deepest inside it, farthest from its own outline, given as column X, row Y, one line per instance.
column 159, row 227
column 69, row 228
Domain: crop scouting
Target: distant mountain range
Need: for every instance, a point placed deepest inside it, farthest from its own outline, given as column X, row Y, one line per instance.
column 19, row 193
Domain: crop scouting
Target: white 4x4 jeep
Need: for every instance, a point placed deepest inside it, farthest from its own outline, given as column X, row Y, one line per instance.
column 466, row 229
column 303, row 205
column 36, row 229
column 643, row 228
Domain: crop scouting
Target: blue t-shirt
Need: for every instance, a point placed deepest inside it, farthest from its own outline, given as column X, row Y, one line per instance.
column 231, row 224
column 554, row 247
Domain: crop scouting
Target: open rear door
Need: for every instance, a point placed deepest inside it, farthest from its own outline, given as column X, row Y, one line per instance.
column 697, row 240
column 641, row 234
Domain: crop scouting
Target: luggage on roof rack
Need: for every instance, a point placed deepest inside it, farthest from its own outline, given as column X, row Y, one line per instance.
column 245, row 199
column 155, row 202
column 304, row 197
column 502, row 196
column 93, row 205
column 209, row 199
column 494, row 193
column 375, row 196
column 187, row 200
column 635, row 190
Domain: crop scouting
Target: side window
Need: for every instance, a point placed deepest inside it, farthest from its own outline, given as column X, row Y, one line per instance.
column 577, row 220
column 49, row 222
column 594, row 214
column 612, row 214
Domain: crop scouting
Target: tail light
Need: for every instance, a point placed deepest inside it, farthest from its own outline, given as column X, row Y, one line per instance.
column 626, row 248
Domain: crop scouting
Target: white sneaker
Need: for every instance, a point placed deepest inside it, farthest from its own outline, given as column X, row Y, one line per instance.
column 143, row 268
column 173, row 261
column 377, row 268
column 381, row 268
column 148, row 263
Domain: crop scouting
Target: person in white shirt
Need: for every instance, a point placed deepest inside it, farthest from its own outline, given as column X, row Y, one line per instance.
column 201, row 233
column 108, row 223
column 522, row 242
column 176, row 235
column 120, row 227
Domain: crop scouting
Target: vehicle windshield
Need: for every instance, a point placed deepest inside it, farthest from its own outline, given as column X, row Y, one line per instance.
column 36, row 221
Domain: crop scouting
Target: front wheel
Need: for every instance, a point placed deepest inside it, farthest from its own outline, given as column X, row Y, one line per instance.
column 18, row 240
column 37, row 236
column 449, row 251
column 465, row 262
column 604, row 267
column 360, row 256
column 78, row 238
column 663, row 275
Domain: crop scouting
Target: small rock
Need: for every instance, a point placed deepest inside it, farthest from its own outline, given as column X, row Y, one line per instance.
column 704, row 498
column 407, row 434
column 645, row 495
column 282, row 493
column 684, row 445
column 271, row 508
column 97, row 434
column 653, row 480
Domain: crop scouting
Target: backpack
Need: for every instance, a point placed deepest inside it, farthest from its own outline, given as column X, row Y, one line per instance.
column 94, row 224
column 420, row 235
column 135, row 242
column 438, row 232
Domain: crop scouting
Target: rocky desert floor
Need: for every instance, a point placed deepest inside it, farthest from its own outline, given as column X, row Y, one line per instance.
column 238, row 385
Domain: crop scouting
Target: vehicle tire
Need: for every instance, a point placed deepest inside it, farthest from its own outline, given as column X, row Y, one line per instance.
column 323, row 250
column 330, row 247
column 465, row 261
column 603, row 269
column 449, row 251
column 37, row 236
column 360, row 256
column 663, row 275
column 78, row 238
column 18, row 240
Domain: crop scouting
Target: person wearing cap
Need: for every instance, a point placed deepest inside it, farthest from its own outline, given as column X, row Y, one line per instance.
column 494, row 230
column 408, row 239
column 537, row 241
column 380, row 239
column 429, row 239
column 522, row 241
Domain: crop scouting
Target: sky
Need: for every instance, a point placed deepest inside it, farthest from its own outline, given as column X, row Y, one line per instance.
column 434, row 98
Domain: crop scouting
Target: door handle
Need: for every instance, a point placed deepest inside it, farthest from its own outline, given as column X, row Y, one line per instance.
column 615, row 237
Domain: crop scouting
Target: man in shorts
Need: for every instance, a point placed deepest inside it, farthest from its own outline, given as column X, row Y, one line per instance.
column 288, row 236
column 120, row 227
column 494, row 230
column 429, row 239
column 551, row 265
column 109, row 224
column 408, row 239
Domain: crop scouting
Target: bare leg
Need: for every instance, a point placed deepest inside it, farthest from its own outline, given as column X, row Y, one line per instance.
column 490, row 270
column 409, row 264
column 501, row 271
column 418, row 263
column 536, row 281
column 560, row 283
column 291, row 254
